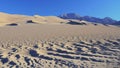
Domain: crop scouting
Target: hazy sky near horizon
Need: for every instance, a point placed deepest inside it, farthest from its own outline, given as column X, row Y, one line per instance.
column 96, row 8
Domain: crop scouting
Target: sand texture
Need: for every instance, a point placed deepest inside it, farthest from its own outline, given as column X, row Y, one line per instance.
column 51, row 42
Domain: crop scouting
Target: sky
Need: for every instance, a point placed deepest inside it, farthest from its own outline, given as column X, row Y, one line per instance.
column 95, row 8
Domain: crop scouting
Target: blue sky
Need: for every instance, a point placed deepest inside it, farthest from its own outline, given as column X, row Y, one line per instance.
column 96, row 8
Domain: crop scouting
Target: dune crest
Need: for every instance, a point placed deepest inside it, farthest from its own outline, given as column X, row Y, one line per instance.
column 14, row 18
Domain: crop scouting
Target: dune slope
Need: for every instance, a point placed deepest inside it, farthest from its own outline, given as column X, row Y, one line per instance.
column 56, row 46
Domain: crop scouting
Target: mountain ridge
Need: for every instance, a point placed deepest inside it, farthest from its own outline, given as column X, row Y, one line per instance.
column 106, row 20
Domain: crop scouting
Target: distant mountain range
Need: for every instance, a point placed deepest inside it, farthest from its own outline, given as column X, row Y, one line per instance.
column 116, row 23
column 106, row 20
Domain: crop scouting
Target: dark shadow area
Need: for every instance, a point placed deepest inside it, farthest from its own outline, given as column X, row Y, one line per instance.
column 1, row 56
column 35, row 46
column 64, row 56
column 118, row 40
column 12, row 63
column 66, row 63
column 14, row 49
column 31, row 22
column 12, row 24
column 33, row 53
column 61, row 51
column 113, row 42
column 96, row 60
column 49, row 49
column 4, row 60
column 95, row 24
column 87, row 55
column 27, row 60
column 17, row 56
column 84, row 59
column 45, row 57
column 76, row 23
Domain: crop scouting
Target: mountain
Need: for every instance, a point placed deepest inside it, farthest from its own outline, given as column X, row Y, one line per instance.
column 70, row 16
column 106, row 20
column 116, row 23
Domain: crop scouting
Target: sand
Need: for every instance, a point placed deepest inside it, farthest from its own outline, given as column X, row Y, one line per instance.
column 48, row 43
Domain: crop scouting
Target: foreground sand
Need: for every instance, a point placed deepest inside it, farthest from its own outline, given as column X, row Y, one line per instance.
column 51, row 42
column 59, row 46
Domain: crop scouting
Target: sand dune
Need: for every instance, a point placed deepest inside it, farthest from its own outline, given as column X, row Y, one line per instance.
column 10, row 18
column 48, row 45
